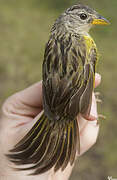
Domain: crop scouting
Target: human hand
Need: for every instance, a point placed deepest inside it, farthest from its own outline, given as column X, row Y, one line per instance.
column 19, row 113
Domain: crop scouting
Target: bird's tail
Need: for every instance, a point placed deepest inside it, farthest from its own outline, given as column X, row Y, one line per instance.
column 47, row 145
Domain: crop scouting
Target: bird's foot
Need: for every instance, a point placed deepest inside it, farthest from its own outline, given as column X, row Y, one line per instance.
column 97, row 96
column 100, row 116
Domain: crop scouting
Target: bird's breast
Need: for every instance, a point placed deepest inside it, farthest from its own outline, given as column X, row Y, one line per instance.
column 90, row 44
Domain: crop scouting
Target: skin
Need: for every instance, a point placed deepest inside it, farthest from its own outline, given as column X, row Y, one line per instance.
column 19, row 113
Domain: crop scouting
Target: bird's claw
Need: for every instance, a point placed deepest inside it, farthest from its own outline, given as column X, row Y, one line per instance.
column 97, row 93
column 98, row 100
column 100, row 116
column 97, row 96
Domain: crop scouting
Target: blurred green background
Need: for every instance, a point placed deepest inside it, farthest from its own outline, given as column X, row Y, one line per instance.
column 24, row 30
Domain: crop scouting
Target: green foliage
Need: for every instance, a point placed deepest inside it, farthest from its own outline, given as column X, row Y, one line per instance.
column 24, row 30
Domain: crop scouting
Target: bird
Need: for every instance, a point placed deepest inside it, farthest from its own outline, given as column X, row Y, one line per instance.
column 68, row 74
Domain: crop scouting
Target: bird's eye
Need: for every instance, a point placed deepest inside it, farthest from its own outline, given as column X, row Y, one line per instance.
column 83, row 16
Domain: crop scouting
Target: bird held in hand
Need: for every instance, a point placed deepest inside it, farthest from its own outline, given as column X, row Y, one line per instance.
column 68, row 81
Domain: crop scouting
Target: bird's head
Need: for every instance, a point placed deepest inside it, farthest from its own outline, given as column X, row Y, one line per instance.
column 80, row 18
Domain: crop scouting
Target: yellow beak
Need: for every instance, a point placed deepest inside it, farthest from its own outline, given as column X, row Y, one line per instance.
column 100, row 21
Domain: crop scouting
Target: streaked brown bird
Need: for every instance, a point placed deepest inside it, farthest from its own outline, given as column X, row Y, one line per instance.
column 68, row 81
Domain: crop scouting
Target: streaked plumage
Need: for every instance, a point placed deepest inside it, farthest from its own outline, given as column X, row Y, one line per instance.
column 68, row 81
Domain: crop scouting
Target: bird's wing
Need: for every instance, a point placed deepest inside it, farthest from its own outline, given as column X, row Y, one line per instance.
column 68, row 77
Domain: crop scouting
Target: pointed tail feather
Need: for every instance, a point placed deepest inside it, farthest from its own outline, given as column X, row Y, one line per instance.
column 48, row 144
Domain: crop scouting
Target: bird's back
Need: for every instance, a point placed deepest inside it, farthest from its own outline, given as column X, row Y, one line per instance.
column 69, row 64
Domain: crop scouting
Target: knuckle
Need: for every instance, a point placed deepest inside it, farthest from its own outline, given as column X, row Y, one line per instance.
column 8, row 105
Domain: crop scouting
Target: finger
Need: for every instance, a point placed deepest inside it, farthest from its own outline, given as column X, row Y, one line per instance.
column 81, row 122
column 97, row 79
column 32, row 95
column 26, row 103
column 88, row 136
column 93, row 111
